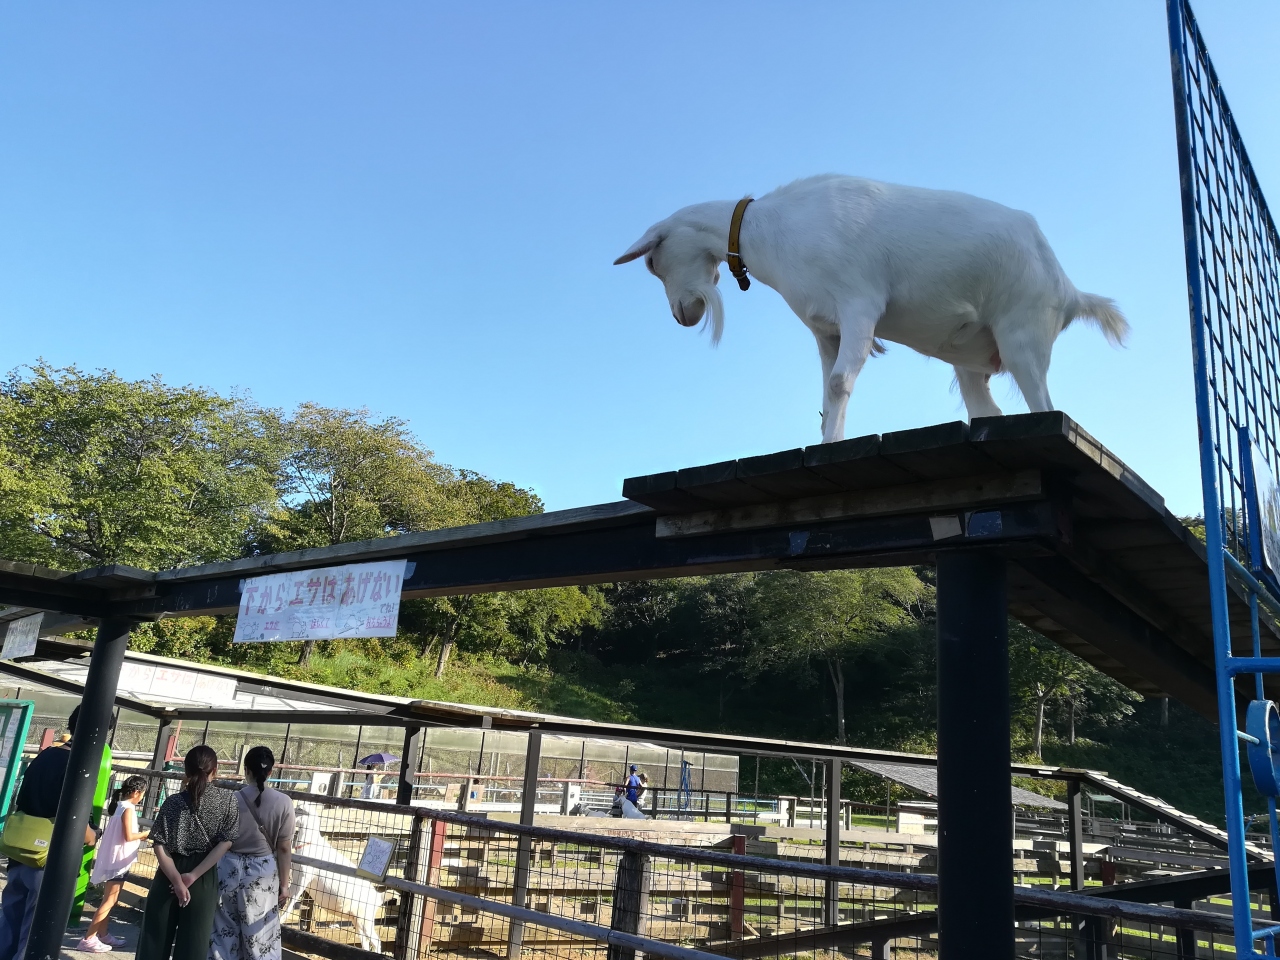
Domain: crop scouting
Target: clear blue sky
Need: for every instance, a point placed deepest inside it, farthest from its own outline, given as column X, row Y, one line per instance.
column 414, row 207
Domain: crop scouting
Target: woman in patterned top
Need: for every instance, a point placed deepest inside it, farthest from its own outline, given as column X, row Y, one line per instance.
column 192, row 832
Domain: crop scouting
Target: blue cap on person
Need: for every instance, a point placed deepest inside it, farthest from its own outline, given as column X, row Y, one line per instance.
column 633, row 768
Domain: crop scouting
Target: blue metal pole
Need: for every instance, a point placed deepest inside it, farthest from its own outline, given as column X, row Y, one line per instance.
column 1214, row 542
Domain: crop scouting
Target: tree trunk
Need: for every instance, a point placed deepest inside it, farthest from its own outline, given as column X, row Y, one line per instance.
column 1071, row 724
column 836, row 669
column 446, row 648
column 304, row 658
column 447, row 642
column 1037, row 745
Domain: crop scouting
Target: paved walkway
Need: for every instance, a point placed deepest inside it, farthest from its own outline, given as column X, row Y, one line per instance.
column 124, row 923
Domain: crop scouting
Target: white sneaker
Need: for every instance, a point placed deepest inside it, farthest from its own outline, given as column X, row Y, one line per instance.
column 93, row 945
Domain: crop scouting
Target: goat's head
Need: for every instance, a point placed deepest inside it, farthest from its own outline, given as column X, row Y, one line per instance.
column 306, row 823
column 683, row 258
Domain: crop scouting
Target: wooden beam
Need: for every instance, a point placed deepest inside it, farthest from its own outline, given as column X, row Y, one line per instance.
column 1053, row 586
column 964, row 493
column 632, row 552
column 908, row 925
column 22, row 585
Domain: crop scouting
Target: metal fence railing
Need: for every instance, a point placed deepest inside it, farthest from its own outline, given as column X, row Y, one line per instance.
column 461, row 884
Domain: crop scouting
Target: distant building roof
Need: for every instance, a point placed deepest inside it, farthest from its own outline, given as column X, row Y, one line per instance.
column 925, row 780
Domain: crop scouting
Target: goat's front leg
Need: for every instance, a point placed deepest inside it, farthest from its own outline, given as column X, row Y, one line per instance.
column 857, row 321
column 975, row 389
column 828, row 348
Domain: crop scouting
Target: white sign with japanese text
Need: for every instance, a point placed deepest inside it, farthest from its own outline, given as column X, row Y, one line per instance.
column 20, row 637
column 356, row 600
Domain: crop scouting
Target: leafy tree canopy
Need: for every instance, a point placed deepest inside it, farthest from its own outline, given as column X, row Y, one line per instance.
column 95, row 469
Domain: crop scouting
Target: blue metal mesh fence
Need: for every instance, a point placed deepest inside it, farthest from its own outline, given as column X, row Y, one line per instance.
column 1233, row 266
column 1233, row 285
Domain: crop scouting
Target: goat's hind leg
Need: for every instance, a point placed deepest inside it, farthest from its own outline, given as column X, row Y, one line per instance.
column 1026, row 358
column 975, row 390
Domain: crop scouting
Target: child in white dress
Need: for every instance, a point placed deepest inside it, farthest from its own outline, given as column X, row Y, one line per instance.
column 117, row 850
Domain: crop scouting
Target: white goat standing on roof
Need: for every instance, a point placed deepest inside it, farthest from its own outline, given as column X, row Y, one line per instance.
column 950, row 275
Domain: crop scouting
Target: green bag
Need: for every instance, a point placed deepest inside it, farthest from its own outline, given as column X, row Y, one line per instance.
column 26, row 839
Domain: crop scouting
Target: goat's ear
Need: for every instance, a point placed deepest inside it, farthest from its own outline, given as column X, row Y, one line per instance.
column 639, row 248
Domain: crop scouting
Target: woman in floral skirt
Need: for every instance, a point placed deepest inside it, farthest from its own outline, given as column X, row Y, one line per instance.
column 253, row 879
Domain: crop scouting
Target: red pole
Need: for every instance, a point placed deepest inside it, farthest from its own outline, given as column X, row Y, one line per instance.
column 434, row 859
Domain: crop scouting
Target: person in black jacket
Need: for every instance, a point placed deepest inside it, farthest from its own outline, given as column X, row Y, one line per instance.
column 38, row 797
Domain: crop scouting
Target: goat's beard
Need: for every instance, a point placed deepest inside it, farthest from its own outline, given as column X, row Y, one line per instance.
column 709, row 293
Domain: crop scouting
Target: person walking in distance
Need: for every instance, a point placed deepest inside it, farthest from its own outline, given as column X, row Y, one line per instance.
column 634, row 786
column 117, row 851
column 253, row 878
column 25, row 841
column 192, row 832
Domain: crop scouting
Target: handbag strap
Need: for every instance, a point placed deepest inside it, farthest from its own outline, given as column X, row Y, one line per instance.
column 258, row 820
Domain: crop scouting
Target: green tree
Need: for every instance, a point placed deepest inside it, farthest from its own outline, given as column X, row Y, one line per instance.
column 521, row 626
column 1044, row 675
column 476, row 621
column 346, row 475
column 541, row 619
column 96, row 469
column 825, row 617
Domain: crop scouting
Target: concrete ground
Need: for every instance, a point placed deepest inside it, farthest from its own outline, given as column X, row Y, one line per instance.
column 124, row 923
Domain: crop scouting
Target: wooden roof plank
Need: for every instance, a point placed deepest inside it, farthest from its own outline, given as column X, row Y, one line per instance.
column 783, row 475
column 855, row 464
column 937, row 452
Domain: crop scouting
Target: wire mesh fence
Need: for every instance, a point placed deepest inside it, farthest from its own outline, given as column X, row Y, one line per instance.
column 465, row 885
column 1233, row 253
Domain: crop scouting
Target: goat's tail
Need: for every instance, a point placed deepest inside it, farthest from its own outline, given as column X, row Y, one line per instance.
column 1104, row 313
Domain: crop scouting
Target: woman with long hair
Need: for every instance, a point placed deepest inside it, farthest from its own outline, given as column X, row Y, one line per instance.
column 253, row 879
column 192, row 832
column 117, row 850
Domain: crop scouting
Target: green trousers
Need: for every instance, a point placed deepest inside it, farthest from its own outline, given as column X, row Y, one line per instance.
column 184, row 931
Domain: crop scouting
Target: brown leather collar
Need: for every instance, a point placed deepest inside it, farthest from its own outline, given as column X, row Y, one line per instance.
column 736, row 266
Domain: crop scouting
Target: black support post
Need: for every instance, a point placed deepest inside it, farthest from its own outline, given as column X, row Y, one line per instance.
column 66, row 848
column 975, row 855
column 1186, row 938
column 409, row 758
column 524, row 846
column 832, row 899
column 630, row 901
column 1075, row 829
column 1075, row 817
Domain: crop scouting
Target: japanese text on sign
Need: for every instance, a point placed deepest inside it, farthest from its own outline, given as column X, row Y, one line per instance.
column 357, row 600
column 20, row 637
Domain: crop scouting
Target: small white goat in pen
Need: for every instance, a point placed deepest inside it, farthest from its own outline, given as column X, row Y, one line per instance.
column 952, row 276
column 354, row 897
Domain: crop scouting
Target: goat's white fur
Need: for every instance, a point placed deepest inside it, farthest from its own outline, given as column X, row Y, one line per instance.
column 354, row 897
column 950, row 275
